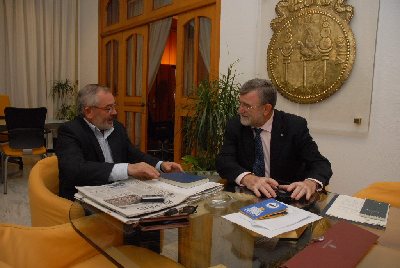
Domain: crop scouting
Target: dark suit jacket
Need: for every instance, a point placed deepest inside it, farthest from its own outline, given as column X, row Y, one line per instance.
column 294, row 155
column 81, row 161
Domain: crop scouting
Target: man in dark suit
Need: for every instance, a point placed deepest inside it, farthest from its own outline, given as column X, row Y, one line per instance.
column 94, row 148
column 284, row 155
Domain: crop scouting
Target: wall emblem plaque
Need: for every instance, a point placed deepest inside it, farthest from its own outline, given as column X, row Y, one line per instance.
column 312, row 49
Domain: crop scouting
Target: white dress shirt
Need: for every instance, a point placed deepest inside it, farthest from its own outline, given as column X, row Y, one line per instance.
column 266, row 143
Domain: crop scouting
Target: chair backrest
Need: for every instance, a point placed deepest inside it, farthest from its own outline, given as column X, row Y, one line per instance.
column 25, row 127
column 47, row 208
column 385, row 191
column 55, row 246
column 4, row 102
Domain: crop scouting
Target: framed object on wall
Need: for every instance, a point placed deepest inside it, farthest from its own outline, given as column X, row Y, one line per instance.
column 344, row 110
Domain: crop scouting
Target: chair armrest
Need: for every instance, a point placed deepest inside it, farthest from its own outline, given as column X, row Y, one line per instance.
column 52, row 246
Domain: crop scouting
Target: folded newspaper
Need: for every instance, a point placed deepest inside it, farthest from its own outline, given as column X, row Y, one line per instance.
column 122, row 199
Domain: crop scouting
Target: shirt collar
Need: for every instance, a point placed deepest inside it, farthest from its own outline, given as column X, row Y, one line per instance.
column 96, row 130
column 268, row 125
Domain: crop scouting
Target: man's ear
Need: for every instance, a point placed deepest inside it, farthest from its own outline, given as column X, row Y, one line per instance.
column 88, row 112
column 267, row 109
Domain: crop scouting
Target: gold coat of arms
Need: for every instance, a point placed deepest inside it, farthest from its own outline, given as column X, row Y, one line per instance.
column 312, row 49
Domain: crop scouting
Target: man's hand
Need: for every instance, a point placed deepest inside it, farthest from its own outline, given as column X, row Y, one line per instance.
column 260, row 185
column 301, row 188
column 143, row 171
column 171, row 167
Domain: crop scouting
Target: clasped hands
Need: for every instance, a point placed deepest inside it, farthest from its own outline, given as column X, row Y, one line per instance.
column 145, row 171
column 267, row 187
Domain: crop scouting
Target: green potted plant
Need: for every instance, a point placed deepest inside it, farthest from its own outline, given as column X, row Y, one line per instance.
column 64, row 95
column 215, row 102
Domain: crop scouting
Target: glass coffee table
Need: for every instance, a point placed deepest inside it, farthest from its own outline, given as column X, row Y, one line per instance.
column 211, row 240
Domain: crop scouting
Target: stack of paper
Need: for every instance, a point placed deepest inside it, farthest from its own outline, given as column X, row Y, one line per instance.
column 122, row 199
column 349, row 208
column 294, row 219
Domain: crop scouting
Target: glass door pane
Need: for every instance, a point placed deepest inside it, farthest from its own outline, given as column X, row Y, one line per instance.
column 133, row 123
column 135, row 8
column 188, row 58
column 112, row 66
column 161, row 3
column 112, row 12
column 203, row 62
column 139, row 64
column 130, row 59
column 134, row 65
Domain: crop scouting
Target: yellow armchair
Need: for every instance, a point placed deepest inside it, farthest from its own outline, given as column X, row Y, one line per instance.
column 47, row 208
column 388, row 192
column 55, row 246
column 53, row 242
column 61, row 246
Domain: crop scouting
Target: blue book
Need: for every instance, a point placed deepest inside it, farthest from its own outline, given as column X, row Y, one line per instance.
column 265, row 209
column 182, row 179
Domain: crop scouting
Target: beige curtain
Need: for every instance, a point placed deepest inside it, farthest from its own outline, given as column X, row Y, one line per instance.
column 159, row 32
column 38, row 44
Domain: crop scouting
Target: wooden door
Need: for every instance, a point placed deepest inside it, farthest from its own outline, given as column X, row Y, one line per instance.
column 124, row 70
column 110, row 62
column 197, row 59
column 133, row 95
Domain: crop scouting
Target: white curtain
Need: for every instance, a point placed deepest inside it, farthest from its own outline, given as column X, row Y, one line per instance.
column 205, row 41
column 38, row 44
column 159, row 32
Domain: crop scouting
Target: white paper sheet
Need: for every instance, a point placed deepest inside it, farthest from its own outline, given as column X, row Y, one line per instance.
column 295, row 219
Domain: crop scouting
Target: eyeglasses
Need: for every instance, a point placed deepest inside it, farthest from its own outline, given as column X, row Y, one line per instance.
column 108, row 108
column 248, row 107
column 184, row 210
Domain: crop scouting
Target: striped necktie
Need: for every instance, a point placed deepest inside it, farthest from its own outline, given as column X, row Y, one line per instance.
column 259, row 165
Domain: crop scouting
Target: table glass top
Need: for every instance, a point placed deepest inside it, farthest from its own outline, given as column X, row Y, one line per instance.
column 209, row 239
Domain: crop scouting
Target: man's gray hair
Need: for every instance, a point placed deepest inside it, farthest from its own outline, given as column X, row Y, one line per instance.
column 265, row 88
column 87, row 96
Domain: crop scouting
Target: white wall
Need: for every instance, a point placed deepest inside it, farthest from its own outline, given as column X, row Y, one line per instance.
column 356, row 160
column 375, row 157
column 88, row 43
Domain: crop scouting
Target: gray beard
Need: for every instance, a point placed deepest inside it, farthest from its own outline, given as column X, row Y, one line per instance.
column 244, row 121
